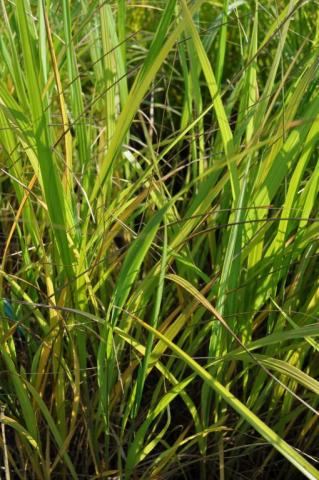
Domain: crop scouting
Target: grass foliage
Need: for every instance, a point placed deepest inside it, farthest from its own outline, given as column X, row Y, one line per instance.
column 159, row 239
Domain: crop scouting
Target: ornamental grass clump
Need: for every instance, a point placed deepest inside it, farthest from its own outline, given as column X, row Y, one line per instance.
column 159, row 239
